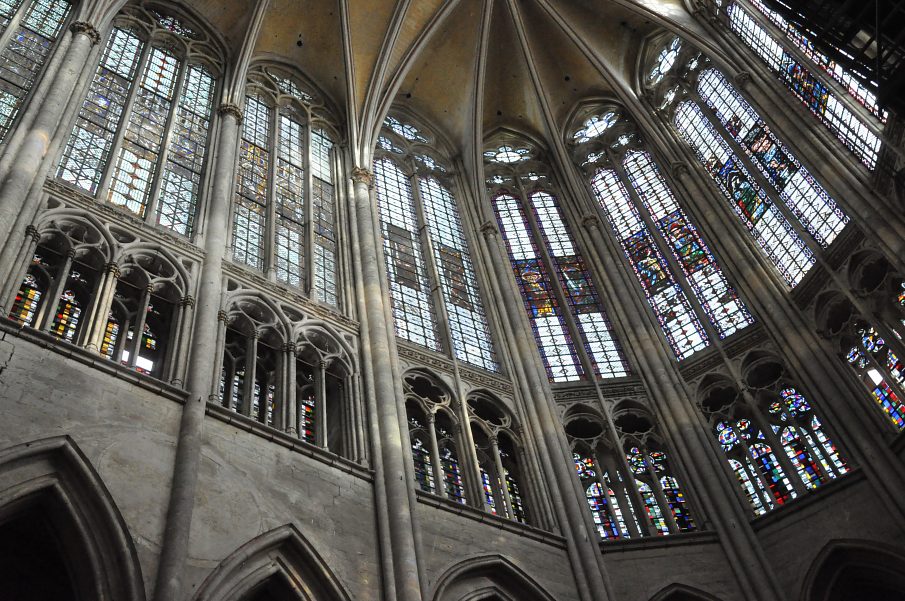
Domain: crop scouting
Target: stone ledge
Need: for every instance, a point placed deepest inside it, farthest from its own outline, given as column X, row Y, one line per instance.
column 626, row 545
column 283, row 439
column 86, row 357
column 477, row 515
column 813, row 497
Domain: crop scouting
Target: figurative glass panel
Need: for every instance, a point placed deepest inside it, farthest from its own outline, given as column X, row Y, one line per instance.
column 764, row 221
column 725, row 310
column 452, row 475
column 289, row 196
column 852, row 131
column 465, row 311
column 409, row 285
column 579, row 289
column 23, row 58
column 547, row 322
column 680, row 325
column 806, row 198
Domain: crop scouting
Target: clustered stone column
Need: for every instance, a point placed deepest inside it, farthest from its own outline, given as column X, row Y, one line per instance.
column 174, row 549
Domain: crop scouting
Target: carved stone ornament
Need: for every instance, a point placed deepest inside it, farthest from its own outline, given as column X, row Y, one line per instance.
column 87, row 29
column 679, row 169
column 361, row 175
column 742, row 79
column 228, row 108
column 590, row 221
column 489, row 229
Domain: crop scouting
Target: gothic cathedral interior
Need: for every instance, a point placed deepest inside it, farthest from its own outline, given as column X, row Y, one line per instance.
column 451, row 300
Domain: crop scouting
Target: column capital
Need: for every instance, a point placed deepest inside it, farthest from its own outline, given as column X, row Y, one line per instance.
column 590, row 221
column 228, row 108
column 489, row 229
column 87, row 29
column 112, row 268
column 360, row 175
column 187, row 301
column 33, row 232
column 679, row 169
column 289, row 347
column 742, row 79
column 222, row 316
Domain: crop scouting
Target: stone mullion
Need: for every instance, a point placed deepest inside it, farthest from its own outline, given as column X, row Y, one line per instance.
column 56, row 290
column 248, row 384
column 320, row 404
column 809, row 439
column 389, row 439
column 138, row 329
column 775, row 442
column 762, row 492
column 96, row 316
column 269, row 250
column 657, row 489
column 289, row 411
column 29, row 160
column 896, row 386
column 122, row 127
column 436, row 463
column 605, row 493
column 162, row 155
column 620, row 489
column 309, row 243
column 440, row 315
column 176, row 369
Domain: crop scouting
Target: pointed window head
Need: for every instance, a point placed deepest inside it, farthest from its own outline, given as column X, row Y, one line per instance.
column 508, row 154
column 665, row 61
column 406, row 130
column 594, row 126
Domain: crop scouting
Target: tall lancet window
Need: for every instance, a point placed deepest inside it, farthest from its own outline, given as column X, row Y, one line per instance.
column 284, row 214
column 140, row 140
column 29, row 31
column 785, row 209
column 574, row 335
column 433, row 285
column 661, row 243
column 835, row 95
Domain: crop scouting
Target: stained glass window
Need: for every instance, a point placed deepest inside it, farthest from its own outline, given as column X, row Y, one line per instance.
column 881, row 371
column 759, row 472
column 680, row 325
column 147, row 109
column 766, row 223
column 665, row 60
column 464, row 308
column 284, row 163
column 806, row 198
column 725, row 310
column 37, row 25
column 410, row 289
column 818, row 97
column 547, row 321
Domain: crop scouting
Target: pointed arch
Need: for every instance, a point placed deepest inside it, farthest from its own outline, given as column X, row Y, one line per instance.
column 488, row 577
column 682, row 592
column 54, row 477
column 848, row 562
column 282, row 553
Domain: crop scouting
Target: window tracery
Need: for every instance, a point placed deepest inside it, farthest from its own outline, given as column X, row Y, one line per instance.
column 773, row 439
column 284, row 217
column 652, row 228
column 559, row 293
column 29, row 31
column 424, row 244
column 140, row 140
column 127, row 302
column 499, row 458
column 785, row 209
column 871, row 349
column 625, row 473
column 293, row 377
